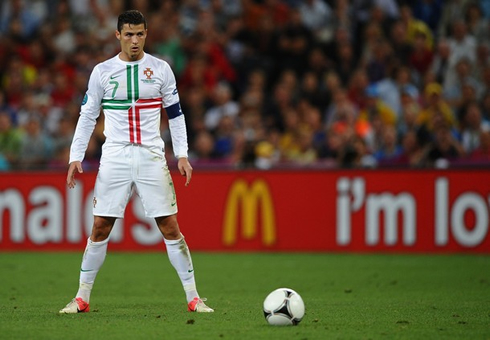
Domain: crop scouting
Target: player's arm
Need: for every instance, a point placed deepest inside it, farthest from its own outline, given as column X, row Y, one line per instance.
column 70, row 178
column 178, row 132
column 185, row 169
column 89, row 113
column 176, row 122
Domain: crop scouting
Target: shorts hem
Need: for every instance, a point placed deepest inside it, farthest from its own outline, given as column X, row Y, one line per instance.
column 165, row 214
column 108, row 215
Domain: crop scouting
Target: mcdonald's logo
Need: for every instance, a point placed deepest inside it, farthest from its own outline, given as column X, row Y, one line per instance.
column 249, row 199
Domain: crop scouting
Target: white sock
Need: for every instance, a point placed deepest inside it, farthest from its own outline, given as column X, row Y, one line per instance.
column 93, row 258
column 180, row 257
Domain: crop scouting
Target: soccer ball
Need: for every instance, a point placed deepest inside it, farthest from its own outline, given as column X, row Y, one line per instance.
column 284, row 307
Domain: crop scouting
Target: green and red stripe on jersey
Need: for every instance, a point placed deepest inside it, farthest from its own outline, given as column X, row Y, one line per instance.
column 133, row 104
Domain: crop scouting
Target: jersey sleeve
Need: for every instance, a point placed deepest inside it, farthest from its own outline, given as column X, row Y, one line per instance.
column 89, row 112
column 176, row 117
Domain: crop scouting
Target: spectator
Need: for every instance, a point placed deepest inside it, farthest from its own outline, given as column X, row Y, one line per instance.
column 485, row 105
column 169, row 48
column 303, row 153
column 318, row 63
column 357, row 88
column 452, row 11
column 6, row 108
column 390, row 88
column 410, row 110
column 17, row 80
column 341, row 111
column 266, row 154
column 198, row 74
column 440, row 62
column 273, row 62
column 412, row 150
column 461, row 45
column 482, row 153
column 435, row 105
column 223, row 106
column 477, row 24
column 421, row 57
column 313, row 92
column 17, row 20
column 64, row 36
column 36, row 147
column 346, row 63
column 312, row 118
column 485, row 80
column 294, row 44
column 332, row 146
column 456, row 92
column 62, row 138
column 252, row 128
column 278, row 105
column 390, row 150
column 63, row 91
column 444, row 149
column 381, row 62
column 288, row 139
column 402, row 48
column 481, row 68
column 376, row 107
column 225, row 138
column 10, row 141
column 471, row 126
column 274, row 11
column 356, row 154
column 341, row 37
column 203, row 149
column 429, row 12
column 317, row 16
column 415, row 26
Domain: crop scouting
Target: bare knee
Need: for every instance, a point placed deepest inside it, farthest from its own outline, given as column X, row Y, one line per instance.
column 169, row 227
column 102, row 228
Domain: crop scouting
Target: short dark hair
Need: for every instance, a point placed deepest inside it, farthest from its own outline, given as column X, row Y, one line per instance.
column 132, row 17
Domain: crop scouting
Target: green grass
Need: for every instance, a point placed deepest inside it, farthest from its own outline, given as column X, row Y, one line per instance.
column 138, row 296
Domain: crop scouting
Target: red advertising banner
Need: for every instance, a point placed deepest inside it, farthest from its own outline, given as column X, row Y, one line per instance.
column 318, row 211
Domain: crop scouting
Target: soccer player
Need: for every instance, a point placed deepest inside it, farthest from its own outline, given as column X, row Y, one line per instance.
column 132, row 87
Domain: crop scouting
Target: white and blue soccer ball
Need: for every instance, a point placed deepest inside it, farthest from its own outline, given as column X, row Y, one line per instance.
column 284, row 307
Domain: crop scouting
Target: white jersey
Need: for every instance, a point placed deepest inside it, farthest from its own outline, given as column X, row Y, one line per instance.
column 131, row 95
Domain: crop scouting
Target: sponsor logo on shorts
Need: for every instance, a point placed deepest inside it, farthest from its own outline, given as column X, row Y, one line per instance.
column 95, row 201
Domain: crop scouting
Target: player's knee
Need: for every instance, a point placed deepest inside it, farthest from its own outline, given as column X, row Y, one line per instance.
column 101, row 229
column 169, row 227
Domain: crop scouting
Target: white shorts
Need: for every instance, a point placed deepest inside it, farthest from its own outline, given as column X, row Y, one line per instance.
column 127, row 167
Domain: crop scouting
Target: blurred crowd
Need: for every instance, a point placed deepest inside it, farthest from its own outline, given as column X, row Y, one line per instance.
column 263, row 83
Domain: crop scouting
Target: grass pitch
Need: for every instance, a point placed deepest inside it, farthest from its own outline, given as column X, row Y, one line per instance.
column 138, row 296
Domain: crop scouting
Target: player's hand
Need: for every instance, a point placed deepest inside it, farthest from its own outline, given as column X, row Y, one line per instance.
column 185, row 169
column 70, row 178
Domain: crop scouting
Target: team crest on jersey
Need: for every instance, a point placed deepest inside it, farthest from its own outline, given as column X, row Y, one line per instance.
column 148, row 72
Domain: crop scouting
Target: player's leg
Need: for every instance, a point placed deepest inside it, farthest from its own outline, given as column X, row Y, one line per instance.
column 155, row 187
column 180, row 258
column 94, row 255
column 92, row 261
column 113, row 188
